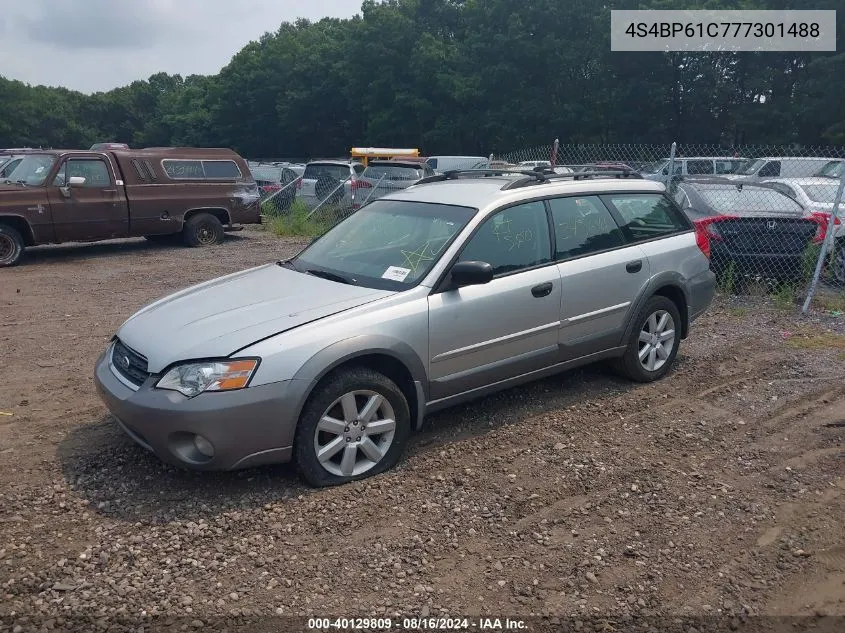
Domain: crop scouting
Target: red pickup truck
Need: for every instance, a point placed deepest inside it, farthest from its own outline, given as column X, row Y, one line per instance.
column 56, row 196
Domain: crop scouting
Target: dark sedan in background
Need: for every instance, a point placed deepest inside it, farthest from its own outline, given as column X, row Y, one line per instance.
column 750, row 229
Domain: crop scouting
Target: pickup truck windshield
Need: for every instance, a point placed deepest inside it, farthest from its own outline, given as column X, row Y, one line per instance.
column 33, row 169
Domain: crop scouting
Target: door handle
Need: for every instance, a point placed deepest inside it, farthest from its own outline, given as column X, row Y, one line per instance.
column 542, row 290
column 634, row 267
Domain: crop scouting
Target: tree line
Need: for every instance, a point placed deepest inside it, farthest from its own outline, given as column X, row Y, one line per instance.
column 455, row 76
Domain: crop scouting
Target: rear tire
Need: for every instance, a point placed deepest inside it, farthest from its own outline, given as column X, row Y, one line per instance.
column 348, row 420
column 11, row 246
column 203, row 229
column 654, row 341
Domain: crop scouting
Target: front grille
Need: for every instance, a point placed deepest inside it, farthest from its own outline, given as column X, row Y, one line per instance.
column 129, row 363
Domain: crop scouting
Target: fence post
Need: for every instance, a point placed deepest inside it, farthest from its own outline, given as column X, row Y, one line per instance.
column 670, row 169
column 373, row 190
column 828, row 241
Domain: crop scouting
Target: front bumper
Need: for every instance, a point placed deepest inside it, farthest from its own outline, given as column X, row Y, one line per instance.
column 247, row 427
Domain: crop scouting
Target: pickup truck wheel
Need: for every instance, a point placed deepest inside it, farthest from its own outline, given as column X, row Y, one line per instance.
column 355, row 425
column 11, row 246
column 203, row 229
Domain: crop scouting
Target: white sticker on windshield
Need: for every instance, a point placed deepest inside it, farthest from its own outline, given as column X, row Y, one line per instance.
column 396, row 273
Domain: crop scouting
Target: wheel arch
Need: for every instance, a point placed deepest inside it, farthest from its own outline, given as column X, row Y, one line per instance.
column 219, row 212
column 21, row 225
column 394, row 358
column 669, row 285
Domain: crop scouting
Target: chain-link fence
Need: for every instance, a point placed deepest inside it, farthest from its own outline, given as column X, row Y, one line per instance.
column 325, row 192
column 768, row 217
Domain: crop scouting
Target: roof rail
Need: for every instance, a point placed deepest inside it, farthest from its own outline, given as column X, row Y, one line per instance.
column 546, row 174
column 455, row 174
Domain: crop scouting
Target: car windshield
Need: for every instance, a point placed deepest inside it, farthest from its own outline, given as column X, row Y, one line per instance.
column 338, row 172
column 33, row 169
column 834, row 169
column 732, row 199
column 751, row 167
column 269, row 173
column 821, row 193
column 655, row 167
column 389, row 244
column 393, row 172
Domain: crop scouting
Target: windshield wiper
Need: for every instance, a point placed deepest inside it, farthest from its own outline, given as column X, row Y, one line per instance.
column 288, row 263
column 331, row 276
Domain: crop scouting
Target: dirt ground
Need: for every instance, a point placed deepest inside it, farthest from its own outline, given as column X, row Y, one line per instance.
column 717, row 493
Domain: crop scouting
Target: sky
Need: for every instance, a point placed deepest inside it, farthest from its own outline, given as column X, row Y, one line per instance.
column 97, row 45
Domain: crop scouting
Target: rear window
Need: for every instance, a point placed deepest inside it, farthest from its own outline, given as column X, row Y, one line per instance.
column 726, row 200
column 822, row 193
column 181, row 169
column 646, row 216
column 338, row 172
column 394, row 172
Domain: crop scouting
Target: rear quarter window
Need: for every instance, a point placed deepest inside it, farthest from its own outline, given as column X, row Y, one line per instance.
column 645, row 216
column 182, row 169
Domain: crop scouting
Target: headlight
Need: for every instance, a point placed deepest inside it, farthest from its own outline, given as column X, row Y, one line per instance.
column 192, row 379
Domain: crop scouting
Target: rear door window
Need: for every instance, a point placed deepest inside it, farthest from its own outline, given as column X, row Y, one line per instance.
column 583, row 225
column 645, row 216
column 695, row 167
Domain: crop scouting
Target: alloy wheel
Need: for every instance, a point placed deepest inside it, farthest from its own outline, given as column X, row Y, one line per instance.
column 657, row 338
column 354, row 433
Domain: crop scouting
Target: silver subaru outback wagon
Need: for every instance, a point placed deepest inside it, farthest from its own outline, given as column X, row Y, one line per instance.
column 431, row 296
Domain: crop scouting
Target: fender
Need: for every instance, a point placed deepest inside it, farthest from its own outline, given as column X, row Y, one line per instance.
column 331, row 357
column 661, row 280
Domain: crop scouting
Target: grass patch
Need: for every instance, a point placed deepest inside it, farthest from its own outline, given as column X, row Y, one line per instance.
column 829, row 302
column 726, row 283
column 296, row 223
column 738, row 312
column 784, row 297
column 813, row 339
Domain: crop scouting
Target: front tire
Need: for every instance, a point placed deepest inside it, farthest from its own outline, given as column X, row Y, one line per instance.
column 203, row 229
column 11, row 246
column 354, row 426
column 654, row 341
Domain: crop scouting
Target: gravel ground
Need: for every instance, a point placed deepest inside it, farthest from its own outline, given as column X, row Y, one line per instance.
column 717, row 493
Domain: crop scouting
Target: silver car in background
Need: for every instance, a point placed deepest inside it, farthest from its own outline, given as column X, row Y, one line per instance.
column 388, row 176
column 332, row 182
column 445, row 291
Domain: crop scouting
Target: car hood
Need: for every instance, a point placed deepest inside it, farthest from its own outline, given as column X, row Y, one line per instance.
column 221, row 316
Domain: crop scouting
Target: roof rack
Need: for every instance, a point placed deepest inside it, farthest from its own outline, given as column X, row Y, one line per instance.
column 544, row 174
column 536, row 175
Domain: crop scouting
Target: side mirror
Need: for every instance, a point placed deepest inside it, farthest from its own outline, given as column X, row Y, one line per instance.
column 76, row 181
column 471, row 274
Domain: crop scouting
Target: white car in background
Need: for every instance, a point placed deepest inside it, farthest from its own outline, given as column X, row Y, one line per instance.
column 817, row 195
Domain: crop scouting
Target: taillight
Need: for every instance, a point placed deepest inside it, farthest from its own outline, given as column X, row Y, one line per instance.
column 706, row 230
column 360, row 184
column 822, row 219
